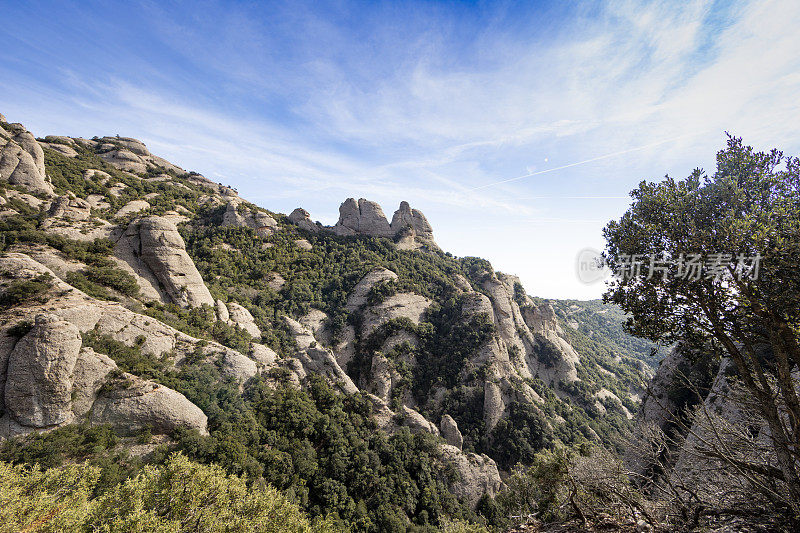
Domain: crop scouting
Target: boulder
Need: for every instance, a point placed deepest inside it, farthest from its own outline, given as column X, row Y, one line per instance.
column 133, row 404
column 39, row 375
column 222, row 311
column 242, row 318
column 238, row 365
column 263, row 355
column 417, row 423
column 302, row 219
column 450, row 432
column 22, row 159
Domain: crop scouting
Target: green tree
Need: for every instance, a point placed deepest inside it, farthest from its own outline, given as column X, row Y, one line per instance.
column 750, row 207
column 178, row 496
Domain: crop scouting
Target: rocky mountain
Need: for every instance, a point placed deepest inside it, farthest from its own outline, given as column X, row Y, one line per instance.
column 145, row 298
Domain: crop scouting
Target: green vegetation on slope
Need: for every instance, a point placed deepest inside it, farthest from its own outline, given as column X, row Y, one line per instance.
column 179, row 496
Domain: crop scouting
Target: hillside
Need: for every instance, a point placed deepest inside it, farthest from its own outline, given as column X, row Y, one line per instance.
column 372, row 378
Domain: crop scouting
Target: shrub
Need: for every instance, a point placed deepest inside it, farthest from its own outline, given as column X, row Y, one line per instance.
column 19, row 291
column 179, row 496
column 113, row 277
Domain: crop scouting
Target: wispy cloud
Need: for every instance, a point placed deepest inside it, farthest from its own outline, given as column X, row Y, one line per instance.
column 506, row 114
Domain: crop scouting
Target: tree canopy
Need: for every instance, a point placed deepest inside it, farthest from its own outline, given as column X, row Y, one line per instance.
column 711, row 262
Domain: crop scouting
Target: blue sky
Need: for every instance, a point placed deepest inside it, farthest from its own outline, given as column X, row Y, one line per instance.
column 440, row 104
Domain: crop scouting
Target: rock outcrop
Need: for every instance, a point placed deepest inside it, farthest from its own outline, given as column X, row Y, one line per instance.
column 450, row 432
column 134, row 206
column 477, row 475
column 316, row 359
column 392, row 336
column 50, row 381
column 416, row 422
column 302, row 219
column 22, row 159
column 131, row 155
column 134, row 404
column 362, row 218
column 402, row 305
column 109, row 318
column 412, row 228
column 154, row 242
column 358, row 296
column 71, row 208
column 241, row 317
column 236, row 215
column 38, row 384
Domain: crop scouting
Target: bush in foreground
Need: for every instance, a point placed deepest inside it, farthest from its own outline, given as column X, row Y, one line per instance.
column 178, row 496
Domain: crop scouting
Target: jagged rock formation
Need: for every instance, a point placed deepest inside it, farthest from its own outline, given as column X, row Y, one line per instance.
column 412, row 228
column 528, row 343
column 264, row 224
column 364, row 217
column 154, row 250
column 22, row 159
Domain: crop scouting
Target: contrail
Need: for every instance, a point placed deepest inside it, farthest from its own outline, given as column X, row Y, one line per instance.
column 574, row 198
column 598, row 158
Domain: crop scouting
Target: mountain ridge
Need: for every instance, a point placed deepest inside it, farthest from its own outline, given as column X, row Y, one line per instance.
column 174, row 283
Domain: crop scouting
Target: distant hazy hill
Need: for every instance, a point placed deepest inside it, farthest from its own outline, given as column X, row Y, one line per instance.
column 604, row 323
